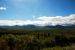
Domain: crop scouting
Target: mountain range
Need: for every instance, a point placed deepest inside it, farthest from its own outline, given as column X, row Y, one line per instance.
column 35, row 27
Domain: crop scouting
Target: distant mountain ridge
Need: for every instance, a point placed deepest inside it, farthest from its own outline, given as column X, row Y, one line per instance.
column 36, row 27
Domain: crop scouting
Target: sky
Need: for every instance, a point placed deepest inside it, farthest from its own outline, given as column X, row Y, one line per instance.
column 32, row 10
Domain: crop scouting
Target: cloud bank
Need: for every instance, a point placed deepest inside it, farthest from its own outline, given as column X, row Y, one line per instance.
column 2, row 8
column 42, row 21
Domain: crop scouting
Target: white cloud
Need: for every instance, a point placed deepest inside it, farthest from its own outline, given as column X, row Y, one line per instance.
column 3, row 8
column 58, row 20
column 42, row 21
column 14, row 22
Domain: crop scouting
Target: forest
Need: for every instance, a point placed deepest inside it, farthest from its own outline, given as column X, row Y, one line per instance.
column 45, row 39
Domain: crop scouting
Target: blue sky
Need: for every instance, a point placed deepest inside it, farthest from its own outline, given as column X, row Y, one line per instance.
column 29, row 9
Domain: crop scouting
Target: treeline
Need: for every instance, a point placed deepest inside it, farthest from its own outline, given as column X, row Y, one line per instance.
column 36, row 40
